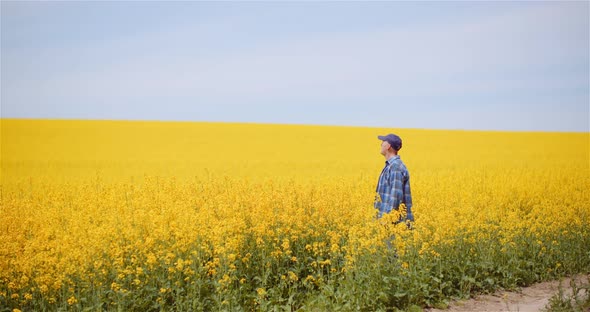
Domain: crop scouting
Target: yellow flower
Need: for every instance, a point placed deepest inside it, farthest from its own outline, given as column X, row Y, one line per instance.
column 43, row 289
column 261, row 292
column 115, row 286
column 179, row 265
column 72, row 300
column 293, row 277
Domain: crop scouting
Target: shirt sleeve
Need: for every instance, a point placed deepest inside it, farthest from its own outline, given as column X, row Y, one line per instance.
column 408, row 198
column 400, row 193
column 396, row 192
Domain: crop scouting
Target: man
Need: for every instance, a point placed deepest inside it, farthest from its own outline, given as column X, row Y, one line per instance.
column 393, row 188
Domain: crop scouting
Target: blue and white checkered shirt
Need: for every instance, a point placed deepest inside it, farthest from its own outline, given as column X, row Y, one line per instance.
column 393, row 188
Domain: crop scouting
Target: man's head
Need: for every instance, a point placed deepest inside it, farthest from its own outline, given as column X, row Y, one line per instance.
column 391, row 143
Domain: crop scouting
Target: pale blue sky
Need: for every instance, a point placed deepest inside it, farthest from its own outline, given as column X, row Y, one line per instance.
column 441, row 65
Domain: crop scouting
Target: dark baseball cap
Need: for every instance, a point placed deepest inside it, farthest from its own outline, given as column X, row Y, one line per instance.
column 393, row 140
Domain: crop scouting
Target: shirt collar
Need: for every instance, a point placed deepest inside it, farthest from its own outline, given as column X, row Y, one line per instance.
column 392, row 159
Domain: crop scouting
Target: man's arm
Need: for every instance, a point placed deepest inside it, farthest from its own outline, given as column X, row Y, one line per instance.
column 395, row 193
column 400, row 193
column 408, row 199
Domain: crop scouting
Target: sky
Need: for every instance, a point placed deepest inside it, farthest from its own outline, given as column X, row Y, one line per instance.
column 496, row 65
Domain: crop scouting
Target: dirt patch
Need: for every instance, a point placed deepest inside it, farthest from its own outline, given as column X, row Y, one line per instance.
column 529, row 299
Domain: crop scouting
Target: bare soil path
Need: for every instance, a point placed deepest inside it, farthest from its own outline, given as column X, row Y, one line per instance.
column 529, row 299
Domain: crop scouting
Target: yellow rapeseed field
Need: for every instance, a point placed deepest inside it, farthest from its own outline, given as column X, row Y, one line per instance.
column 149, row 216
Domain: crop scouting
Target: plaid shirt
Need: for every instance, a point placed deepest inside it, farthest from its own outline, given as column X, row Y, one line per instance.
column 393, row 188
